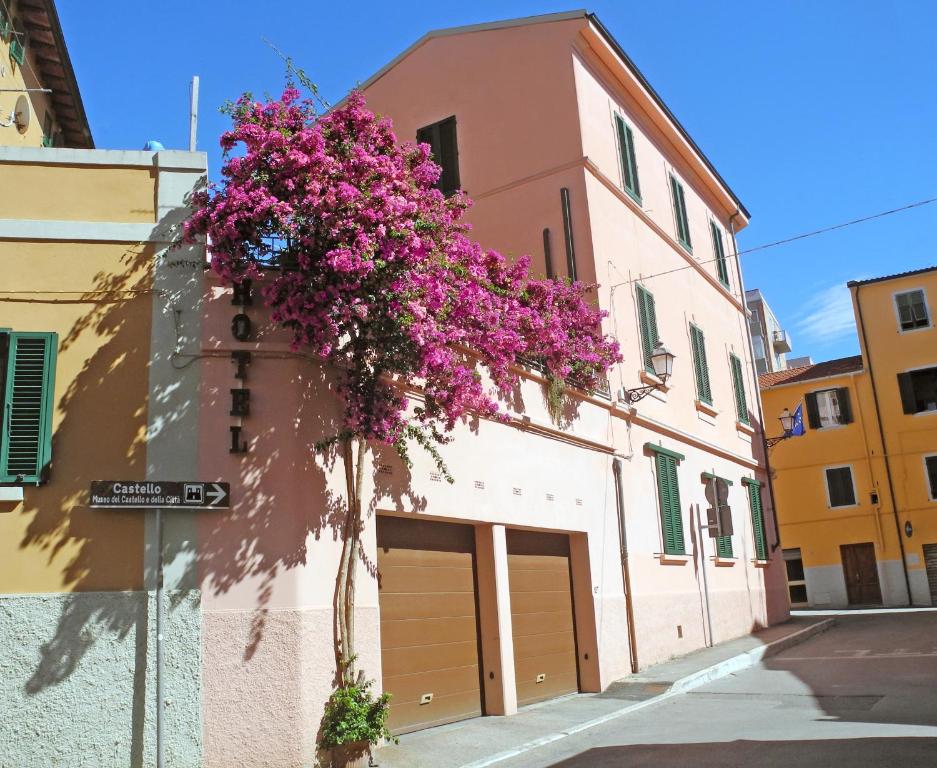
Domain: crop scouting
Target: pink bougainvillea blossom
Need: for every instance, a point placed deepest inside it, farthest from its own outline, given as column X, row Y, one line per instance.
column 376, row 273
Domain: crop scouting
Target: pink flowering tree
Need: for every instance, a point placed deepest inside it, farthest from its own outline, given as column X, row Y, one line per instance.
column 370, row 268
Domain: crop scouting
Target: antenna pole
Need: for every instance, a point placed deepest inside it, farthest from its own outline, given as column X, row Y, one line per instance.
column 193, row 114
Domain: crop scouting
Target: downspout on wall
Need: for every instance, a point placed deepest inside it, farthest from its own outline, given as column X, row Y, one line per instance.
column 761, row 415
column 625, row 570
column 867, row 359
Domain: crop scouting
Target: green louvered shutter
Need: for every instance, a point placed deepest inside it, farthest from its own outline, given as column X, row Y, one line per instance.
column 669, row 493
column 758, row 519
column 679, row 209
column 29, row 383
column 738, row 383
column 722, row 269
column 647, row 319
column 703, row 388
column 629, row 165
column 724, row 546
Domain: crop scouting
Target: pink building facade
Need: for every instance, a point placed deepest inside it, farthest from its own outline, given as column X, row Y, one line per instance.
column 568, row 552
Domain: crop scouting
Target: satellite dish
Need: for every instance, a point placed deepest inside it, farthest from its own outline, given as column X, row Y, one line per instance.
column 22, row 113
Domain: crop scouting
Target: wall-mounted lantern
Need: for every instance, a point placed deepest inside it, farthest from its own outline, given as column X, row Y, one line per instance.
column 662, row 363
column 788, row 422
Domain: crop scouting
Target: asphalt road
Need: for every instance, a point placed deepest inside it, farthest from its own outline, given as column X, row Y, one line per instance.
column 862, row 694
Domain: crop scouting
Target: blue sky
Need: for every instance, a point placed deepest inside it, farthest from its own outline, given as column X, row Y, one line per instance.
column 815, row 113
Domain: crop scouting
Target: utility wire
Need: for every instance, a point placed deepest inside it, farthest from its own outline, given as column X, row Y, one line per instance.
column 785, row 241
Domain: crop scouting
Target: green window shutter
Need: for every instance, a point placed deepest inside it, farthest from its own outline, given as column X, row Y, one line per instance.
column 908, row 395
column 758, row 520
column 703, row 388
column 722, row 269
column 28, row 393
column 444, row 147
column 813, row 410
column 647, row 319
column 738, row 382
column 629, row 165
column 845, row 405
column 669, row 494
column 724, row 546
column 679, row 209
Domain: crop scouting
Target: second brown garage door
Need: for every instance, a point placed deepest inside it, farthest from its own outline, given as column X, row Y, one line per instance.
column 542, row 615
column 429, row 626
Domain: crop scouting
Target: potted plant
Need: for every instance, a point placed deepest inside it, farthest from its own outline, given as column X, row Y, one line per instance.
column 354, row 721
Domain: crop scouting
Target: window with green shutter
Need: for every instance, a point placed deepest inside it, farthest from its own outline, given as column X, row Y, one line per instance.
column 668, row 492
column 679, row 212
column 444, row 146
column 738, row 384
column 629, row 164
column 647, row 320
column 722, row 268
column 758, row 518
column 27, row 364
column 912, row 310
column 703, row 388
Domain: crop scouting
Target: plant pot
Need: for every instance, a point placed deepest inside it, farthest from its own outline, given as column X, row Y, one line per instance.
column 356, row 755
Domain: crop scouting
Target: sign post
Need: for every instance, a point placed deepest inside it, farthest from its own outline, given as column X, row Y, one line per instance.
column 157, row 495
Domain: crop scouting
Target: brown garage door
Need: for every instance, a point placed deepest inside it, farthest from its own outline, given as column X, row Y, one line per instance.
column 429, row 626
column 542, row 614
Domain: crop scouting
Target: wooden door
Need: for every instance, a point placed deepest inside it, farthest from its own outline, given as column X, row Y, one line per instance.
column 429, row 624
column 542, row 615
column 861, row 574
column 930, row 562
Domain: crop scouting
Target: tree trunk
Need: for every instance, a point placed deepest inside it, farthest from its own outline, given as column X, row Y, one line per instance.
column 348, row 567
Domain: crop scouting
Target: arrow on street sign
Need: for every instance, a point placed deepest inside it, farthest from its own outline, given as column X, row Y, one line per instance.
column 217, row 494
column 158, row 494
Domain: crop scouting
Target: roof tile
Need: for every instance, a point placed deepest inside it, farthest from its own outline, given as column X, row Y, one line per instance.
column 823, row 370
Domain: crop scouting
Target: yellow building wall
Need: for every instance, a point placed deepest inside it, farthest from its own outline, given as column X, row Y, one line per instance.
column 96, row 297
column 807, row 521
column 908, row 437
column 78, row 192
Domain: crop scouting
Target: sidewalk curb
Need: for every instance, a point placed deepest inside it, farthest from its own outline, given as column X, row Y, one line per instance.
column 749, row 658
column 678, row 687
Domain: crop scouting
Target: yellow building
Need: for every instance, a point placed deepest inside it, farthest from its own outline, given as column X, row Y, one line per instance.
column 40, row 105
column 857, row 493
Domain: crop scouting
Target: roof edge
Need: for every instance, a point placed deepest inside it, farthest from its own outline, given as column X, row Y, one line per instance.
column 468, row 28
column 896, row 276
column 69, row 70
column 629, row 62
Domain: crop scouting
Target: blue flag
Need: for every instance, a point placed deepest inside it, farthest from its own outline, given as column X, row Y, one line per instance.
column 798, row 429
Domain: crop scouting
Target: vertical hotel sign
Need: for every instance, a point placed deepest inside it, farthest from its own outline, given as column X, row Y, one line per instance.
column 241, row 330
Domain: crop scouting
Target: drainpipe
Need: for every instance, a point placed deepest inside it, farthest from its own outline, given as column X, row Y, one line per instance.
column 881, row 431
column 625, row 570
column 761, row 414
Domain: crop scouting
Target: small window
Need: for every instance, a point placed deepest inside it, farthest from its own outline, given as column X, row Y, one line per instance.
column 930, row 466
column 647, row 320
column 918, row 390
column 18, row 43
column 840, row 489
column 722, row 268
column 796, row 579
column 738, row 384
column 829, row 408
column 679, row 212
column 629, row 165
column 703, row 388
column 27, row 382
column 444, row 146
column 912, row 310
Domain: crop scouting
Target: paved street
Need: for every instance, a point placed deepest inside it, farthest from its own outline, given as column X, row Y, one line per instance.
column 861, row 694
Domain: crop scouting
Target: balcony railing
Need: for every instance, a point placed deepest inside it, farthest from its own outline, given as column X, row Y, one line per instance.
column 782, row 344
